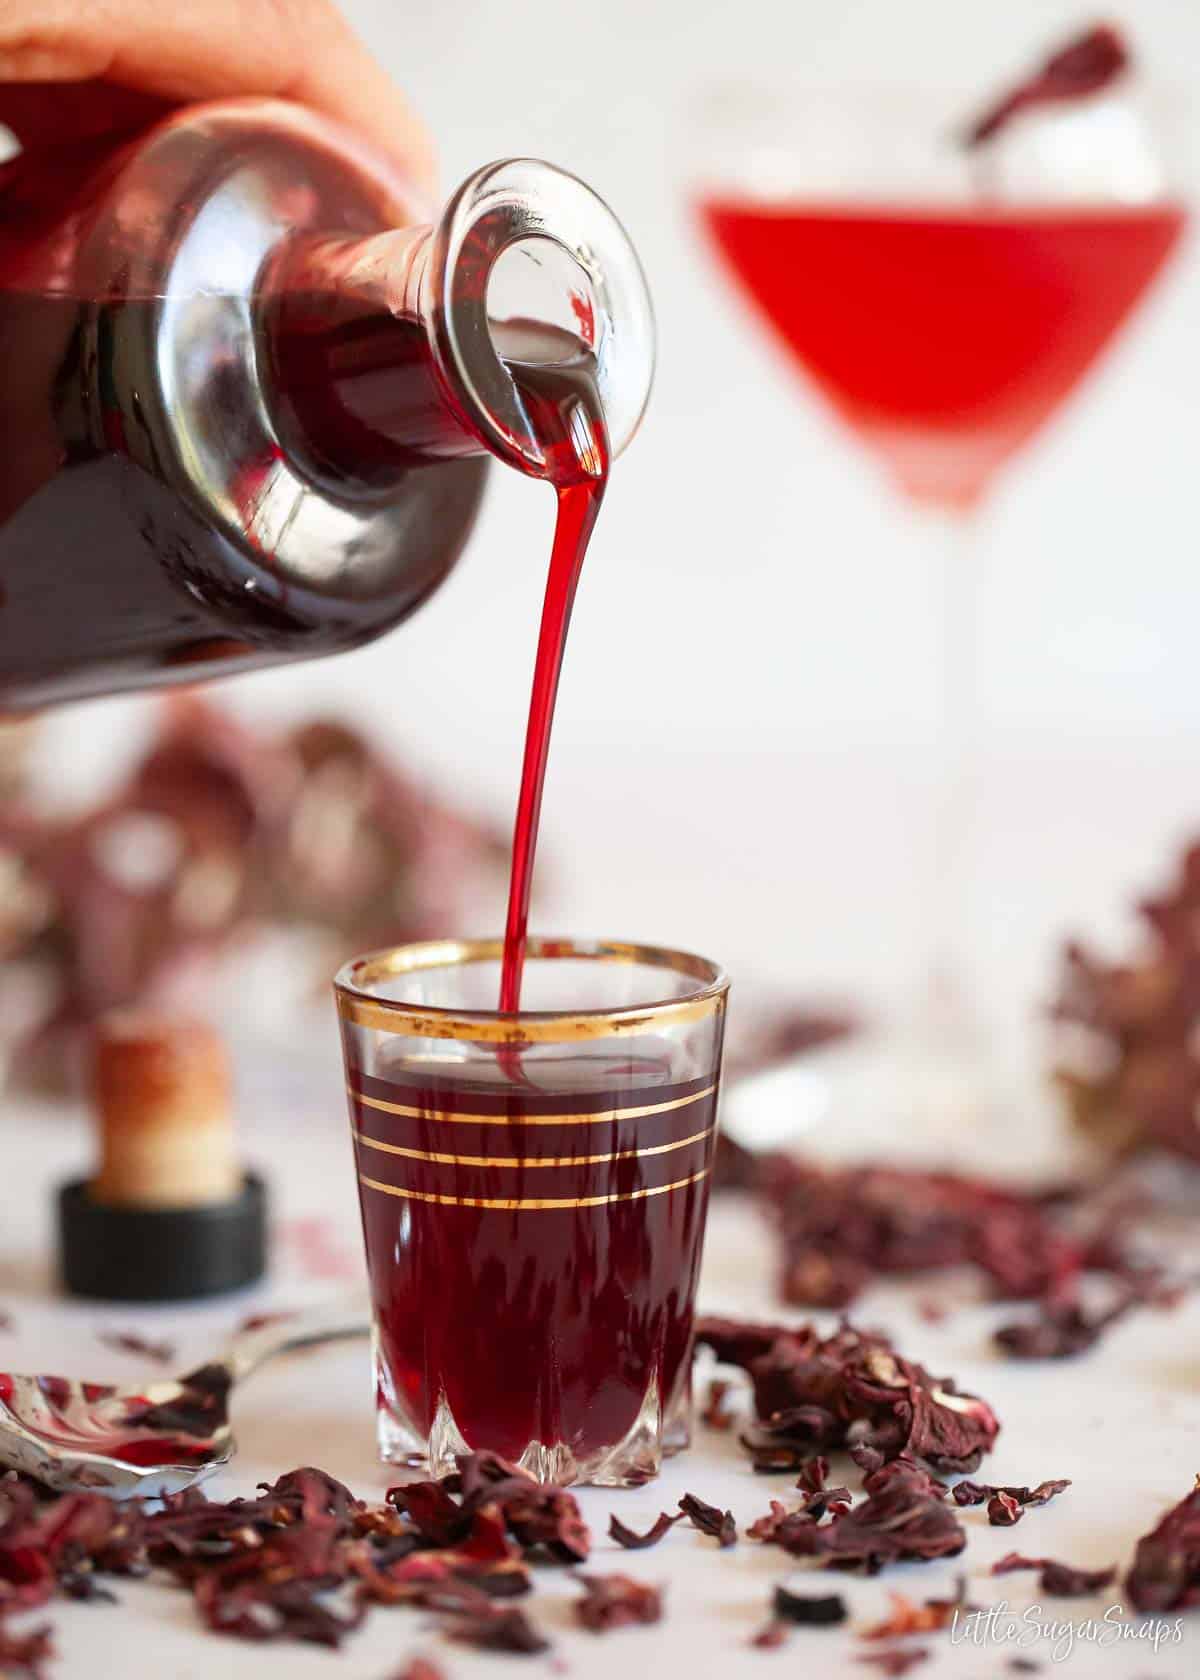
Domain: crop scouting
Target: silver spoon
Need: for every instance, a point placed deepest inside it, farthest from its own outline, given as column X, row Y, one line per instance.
column 158, row 1437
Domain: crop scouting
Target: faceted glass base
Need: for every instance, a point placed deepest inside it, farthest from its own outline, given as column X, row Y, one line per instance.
column 656, row 1432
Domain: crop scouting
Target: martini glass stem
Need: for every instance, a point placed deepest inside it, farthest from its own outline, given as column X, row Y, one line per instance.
column 952, row 998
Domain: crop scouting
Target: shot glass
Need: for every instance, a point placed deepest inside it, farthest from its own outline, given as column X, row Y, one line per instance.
column 534, row 1189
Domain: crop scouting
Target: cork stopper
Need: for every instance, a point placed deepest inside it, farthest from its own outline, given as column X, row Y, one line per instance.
column 162, row 1094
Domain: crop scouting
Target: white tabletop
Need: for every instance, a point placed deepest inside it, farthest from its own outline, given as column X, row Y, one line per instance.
column 1123, row 1422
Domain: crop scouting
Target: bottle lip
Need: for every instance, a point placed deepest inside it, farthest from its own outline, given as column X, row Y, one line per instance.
column 508, row 203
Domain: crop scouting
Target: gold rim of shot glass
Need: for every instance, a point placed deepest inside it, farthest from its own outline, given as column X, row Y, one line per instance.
column 357, row 1003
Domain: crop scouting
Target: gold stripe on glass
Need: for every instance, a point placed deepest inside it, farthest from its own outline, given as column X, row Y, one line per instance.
column 515, row 1203
column 530, row 1160
column 456, row 1118
column 359, row 1002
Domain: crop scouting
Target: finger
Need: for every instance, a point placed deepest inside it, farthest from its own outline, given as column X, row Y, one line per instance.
column 205, row 49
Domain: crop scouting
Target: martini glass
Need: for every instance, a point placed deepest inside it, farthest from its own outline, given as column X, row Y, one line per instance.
column 945, row 304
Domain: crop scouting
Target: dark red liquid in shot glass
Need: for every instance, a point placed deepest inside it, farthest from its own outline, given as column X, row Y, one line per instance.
column 560, row 1305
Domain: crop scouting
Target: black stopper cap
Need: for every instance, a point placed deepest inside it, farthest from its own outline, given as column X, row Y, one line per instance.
column 161, row 1254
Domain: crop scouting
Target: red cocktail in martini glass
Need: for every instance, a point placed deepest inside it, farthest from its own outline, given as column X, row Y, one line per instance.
column 945, row 301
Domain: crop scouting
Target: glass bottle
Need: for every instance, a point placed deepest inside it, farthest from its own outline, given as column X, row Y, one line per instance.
column 248, row 389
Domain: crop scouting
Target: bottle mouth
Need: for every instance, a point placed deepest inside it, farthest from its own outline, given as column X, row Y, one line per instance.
column 523, row 245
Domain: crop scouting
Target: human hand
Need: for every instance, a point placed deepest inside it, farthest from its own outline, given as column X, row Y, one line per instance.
column 76, row 69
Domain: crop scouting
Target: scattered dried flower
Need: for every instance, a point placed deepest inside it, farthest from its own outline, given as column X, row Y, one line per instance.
column 978, row 1493
column 715, row 1413
column 613, row 1601
column 1058, row 1580
column 852, row 1390
column 635, row 1542
column 1086, row 65
column 23, row 1656
column 1165, row 1574
column 904, row 1517
column 719, row 1525
column 1059, row 1331
column 1003, row 1510
column 493, row 1629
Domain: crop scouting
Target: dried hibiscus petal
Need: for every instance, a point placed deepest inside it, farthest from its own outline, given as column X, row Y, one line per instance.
column 613, row 1601
column 715, row 1413
column 1059, row 1580
column 1165, row 1574
column 537, row 1514
column 633, row 1541
column 978, row 1493
column 439, row 1518
column 25, row 1654
column 498, row 1630
column 1059, row 1331
column 1003, row 1510
column 1086, row 65
column 849, row 1390
column 200, row 1409
column 903, row 1517
column 840, row 1227
column 719, row 1525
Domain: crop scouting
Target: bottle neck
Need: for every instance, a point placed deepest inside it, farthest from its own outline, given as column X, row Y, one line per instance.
column 387, row 352
column 353, row 383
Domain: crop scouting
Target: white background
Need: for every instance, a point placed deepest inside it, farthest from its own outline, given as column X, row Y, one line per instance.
column 749, row 705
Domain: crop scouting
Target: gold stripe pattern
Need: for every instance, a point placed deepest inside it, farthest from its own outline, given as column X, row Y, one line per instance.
column 514, row 1203
column 530, row 1160
column 456, row 1118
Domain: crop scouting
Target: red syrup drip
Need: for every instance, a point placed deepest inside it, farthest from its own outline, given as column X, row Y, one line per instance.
column 563, row 405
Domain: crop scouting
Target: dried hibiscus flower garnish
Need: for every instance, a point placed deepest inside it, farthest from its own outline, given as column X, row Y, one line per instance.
column 978, row 1493
column 633, row 1541
column 304, row 1559
column 25, row 1655
column 840, row 1227
column 613, row 1601
column 715, row 1413
column 1060, row 1330
column 904, row 1517
column 1003, row 1510
column 852, row 1390
column 718, row 1524
column 1165, row 1574
column 1088, row 64
column 1059, row 1580
column 493, row 1629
